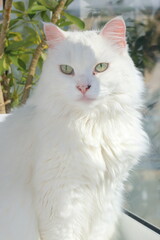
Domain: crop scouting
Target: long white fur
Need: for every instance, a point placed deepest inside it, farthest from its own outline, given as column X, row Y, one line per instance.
column 63, row 160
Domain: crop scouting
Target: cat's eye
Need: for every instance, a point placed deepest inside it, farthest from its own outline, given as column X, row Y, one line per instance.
column 66, row 69
column 101, row 67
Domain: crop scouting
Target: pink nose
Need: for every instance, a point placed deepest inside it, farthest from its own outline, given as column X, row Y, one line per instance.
column 83, row 88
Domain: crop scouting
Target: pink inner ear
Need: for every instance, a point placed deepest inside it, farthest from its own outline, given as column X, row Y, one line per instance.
column 53, row 34
column 115, row 30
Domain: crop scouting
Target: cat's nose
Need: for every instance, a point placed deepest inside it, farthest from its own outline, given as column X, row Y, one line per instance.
column 83, row 88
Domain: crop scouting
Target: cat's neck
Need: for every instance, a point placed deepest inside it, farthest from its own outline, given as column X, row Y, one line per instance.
column 87, row 122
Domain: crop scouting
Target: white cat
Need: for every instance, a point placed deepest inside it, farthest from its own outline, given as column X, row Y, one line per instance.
column 64, row 156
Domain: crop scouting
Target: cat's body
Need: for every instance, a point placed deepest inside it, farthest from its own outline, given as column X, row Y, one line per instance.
column 65, row 155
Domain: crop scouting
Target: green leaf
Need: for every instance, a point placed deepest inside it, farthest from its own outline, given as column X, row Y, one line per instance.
column 18, row 13
column 21, row 64
column 31, row 15
column 64, row 24
column 68, row 2
column 11, row 79
column 50, row 4
column 30, row 3
column 6, row 63
column 16, row 45
column 36, row 8
column 45, row 17
column 19, row 5
column 14, row 59
column 15, row 52
column 1, row 66
column 16, row 35
column 33, row 35
column 30, row 31
column 32, row 21
column 74, row 20
column 13, row 22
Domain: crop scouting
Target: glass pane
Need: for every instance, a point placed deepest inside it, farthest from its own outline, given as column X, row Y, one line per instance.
column 143, row 29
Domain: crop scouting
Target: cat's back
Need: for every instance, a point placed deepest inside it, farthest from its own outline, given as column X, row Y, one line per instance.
column 16, row 140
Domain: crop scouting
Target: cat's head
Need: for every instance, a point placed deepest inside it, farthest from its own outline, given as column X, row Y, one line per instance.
column 88, row 69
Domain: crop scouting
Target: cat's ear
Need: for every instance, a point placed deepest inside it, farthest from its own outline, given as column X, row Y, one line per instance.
column 115, row 30
column 53, row 34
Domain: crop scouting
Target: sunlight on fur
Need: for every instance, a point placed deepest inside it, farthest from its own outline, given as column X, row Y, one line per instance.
column 64, row 155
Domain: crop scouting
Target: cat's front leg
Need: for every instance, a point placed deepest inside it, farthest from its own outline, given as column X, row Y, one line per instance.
column 103, row 231
column 65, row 215
column 104, row 226
column 61, row 230
column 65, row 228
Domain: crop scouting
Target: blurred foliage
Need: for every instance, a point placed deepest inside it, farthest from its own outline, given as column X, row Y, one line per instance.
column 144, row 43
column 24, row 35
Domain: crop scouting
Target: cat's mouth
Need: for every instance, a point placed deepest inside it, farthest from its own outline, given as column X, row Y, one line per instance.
column 85, row 98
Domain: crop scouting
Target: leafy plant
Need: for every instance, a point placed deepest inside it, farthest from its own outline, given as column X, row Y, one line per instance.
column 22, row 50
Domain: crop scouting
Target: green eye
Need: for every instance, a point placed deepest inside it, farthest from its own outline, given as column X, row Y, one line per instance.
column 66, row 69
column 101, row 67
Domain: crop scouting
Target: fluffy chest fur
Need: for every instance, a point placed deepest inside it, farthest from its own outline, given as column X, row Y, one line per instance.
column 84, row 171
